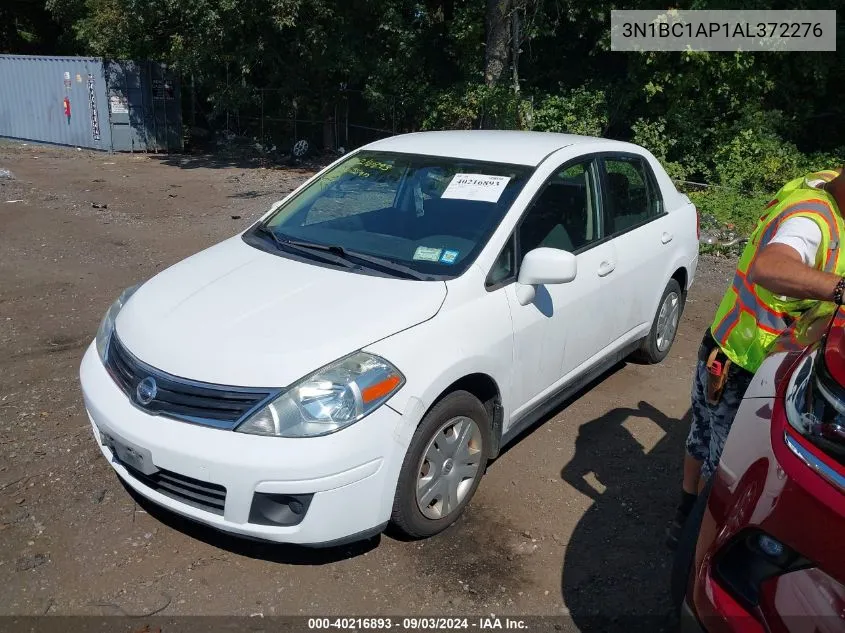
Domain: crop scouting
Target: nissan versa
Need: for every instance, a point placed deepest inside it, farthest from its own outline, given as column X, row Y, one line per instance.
column 359, row 354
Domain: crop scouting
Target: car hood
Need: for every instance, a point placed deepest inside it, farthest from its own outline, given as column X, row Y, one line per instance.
column 235, row 315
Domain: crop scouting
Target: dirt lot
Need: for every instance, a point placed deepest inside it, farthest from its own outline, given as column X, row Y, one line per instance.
column 569, row 520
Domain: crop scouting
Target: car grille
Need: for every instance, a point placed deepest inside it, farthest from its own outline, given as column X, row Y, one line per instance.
column 219, row 406
column 196, row 493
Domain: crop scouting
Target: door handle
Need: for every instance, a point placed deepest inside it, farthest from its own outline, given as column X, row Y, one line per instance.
column 605, row 268
column 666, row 238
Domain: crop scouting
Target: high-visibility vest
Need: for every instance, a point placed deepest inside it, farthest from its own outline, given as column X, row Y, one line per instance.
column 809, row 328
column 750, row 318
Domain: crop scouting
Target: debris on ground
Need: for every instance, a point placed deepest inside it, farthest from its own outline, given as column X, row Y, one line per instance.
column 99, row 206
column 5, row 174
column 720, row 239
column 25, row 563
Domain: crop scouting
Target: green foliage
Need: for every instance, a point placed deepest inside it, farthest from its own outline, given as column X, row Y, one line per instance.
column 824, row 160
column 737, row 211
column 698, row 97
column 754, row 160
column 751, row 154
column 651, row 134
column 752, row 169
column 27, row 27
column 579, row 111
column 474, row 106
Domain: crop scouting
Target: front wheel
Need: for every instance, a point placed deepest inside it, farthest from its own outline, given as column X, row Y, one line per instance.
column 443, row 466
column 655, row 347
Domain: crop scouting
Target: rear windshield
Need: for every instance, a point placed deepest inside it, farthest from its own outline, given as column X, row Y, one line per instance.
column 428, row 213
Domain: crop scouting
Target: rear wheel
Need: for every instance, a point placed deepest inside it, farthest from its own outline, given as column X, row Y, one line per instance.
column 443, row 466
column 657, row 344
column 682, row 566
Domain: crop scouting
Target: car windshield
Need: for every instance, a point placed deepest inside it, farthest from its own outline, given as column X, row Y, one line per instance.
column 427, row 216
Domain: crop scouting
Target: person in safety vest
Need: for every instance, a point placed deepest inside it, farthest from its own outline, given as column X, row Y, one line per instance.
column 792, row 261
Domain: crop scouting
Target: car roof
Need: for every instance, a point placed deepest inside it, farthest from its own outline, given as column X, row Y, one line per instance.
column 497, row 146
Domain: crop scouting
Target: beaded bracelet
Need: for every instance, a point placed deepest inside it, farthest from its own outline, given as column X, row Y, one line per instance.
column 838, row 291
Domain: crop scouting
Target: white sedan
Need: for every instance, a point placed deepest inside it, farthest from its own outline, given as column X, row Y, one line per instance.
column 359, row 354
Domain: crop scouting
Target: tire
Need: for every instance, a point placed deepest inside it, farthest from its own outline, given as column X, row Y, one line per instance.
column 443, row 502
column 685, row 553
column 654, row 347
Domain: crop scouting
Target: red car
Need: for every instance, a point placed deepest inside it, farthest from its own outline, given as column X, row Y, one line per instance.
column 764, row 549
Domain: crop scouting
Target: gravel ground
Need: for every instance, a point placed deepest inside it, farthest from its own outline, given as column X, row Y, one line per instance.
column 568, row 521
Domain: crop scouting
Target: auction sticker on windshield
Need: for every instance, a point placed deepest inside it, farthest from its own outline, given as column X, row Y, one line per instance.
column 427, row 254
column 476, row 187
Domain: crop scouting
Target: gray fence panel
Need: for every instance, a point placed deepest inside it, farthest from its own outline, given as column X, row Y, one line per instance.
column 115, row 105
column 33, row 90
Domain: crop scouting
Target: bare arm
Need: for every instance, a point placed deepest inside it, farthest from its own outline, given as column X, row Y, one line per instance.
column 779, row 269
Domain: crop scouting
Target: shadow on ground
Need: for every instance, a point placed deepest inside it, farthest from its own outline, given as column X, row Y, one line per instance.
column 240, row 160
column 616, row 567
column 242, row 546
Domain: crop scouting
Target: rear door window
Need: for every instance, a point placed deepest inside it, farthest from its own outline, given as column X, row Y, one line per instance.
column 631, row 193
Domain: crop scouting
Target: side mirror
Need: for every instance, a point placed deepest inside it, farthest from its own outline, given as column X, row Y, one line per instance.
column 544, row 266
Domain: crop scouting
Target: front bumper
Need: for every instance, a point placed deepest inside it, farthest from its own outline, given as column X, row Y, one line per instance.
column 352, row 474
column 761, row 486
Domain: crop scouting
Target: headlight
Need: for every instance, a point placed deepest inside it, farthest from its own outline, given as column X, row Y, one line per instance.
column 800, row 404
column 107, row 324
column 329, row 399
column 815, row 406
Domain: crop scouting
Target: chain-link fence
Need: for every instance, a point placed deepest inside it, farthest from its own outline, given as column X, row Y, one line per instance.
column 274, row 121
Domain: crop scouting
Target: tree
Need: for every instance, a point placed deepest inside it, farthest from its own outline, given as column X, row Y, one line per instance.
column 26, row 27
column 497, row 52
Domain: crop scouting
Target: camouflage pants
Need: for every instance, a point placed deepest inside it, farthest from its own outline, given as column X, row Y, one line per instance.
column 712, row 422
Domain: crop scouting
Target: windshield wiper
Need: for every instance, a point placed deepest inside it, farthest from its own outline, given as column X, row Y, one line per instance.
column 389, row 264
column 329, row 248
column 266, row 230
column 374, row 260
column 332, row 254
column 343, row 256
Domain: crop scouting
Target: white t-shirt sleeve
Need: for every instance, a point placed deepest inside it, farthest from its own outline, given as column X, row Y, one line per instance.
column 803, row 235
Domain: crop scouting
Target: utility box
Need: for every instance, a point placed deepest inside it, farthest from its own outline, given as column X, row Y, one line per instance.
column 113, row 105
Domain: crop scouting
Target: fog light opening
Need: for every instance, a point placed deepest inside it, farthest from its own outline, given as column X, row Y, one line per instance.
column 279, row 509
column 770, row 546
column 751, row 558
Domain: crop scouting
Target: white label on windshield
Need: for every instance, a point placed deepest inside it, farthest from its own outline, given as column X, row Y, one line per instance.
column 476, row 187
column 427, row 254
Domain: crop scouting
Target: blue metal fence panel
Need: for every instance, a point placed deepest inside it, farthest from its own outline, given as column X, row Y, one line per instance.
column 114, row 105
column 54, row 100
